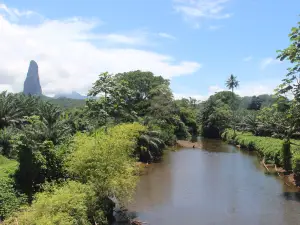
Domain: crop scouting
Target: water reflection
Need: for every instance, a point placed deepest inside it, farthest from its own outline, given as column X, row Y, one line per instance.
column 216, row 185
column 291, row 196
column 216, row 146
column 156, row 184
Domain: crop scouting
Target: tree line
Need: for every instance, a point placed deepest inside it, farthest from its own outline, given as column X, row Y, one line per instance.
column 72, row 165
column 258, row 126
column 64, row 166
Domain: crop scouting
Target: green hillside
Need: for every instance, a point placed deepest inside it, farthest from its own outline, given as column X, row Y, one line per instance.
column 65, row 103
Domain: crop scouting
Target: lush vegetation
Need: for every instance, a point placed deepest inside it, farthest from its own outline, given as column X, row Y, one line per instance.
column 10, row 198
column 71, row 163
column 65, row 103
column 270, row 148
column 267, row 124
column 98, row 168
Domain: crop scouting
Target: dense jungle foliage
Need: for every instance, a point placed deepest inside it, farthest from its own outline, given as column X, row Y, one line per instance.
column 67, row 164
column 71, row 161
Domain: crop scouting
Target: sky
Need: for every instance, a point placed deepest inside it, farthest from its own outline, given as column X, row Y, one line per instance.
column 196, row 44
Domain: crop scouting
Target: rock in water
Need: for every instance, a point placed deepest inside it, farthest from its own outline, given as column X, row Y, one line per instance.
column 32, row 84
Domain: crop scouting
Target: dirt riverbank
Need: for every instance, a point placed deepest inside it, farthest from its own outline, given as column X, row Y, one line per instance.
column 288, row 178
column 188, row 144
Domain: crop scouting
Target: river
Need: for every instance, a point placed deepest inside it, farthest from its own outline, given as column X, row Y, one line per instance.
column 217, row 184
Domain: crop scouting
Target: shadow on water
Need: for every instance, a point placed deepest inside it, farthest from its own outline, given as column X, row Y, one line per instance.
column 216, row 146
column 130, row 216
column 291, row 196
column 297, row 180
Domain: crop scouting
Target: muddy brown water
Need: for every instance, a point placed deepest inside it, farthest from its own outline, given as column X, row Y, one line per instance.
column 217, row 184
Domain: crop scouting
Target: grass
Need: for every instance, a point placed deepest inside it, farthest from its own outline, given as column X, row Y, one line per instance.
column 296, row 162
column 267, row 147
column 7, row 167
column 10, row 199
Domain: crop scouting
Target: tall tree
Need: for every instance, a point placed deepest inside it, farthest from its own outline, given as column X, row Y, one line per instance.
column 10, row 112
column 116, row 101
column 291, row 84
column 161, row 102
column 231, row 84
column 103, row 85
column 142, row 84
column 214, row 116
column 38, row 159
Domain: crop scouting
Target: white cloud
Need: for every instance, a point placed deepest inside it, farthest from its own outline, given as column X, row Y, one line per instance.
column 211, row 91
column 269, row 61
column 165, row 35
column 195, row 96
column 198, row 10
column 5, row 87
column 255, row 88
column 247, row 59
column 119, row 38
column 214, row 89
column 15, row 14
column 70, row 54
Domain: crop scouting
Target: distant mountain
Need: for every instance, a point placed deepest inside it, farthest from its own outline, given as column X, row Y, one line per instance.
column 65, row 103
column 73, row 95
column 32, row 84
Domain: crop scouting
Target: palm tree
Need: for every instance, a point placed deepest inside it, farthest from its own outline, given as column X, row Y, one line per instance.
column 150, row 146
column 53, row 124
column 28, row 104
column 10, row 112
column 232, row 83
column 6, row 136
column 251, row 123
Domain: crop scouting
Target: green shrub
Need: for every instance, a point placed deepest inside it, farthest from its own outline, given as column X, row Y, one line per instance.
column 267, row 147
column 273, row 149
column 62, row 205
column 104, row 160
column 38, row 163
column 296, row 164
column 10, row 199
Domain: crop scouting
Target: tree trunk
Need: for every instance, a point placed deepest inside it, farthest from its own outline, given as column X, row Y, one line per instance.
column 286, row 155
column 105, row 117
column 233, row 113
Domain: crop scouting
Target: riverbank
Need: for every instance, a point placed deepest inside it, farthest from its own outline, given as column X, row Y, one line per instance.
column 188, row 144
column 269, row 149
column 195, row 182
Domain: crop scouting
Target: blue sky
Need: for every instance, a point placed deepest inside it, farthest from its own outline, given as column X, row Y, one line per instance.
column 197, row 44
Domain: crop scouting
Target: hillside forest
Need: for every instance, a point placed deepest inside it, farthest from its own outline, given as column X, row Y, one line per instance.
column 69, row 161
